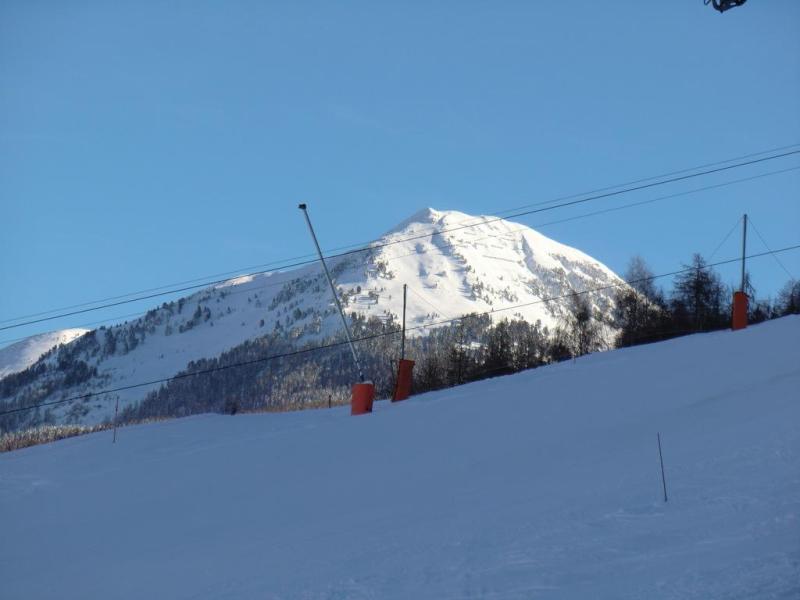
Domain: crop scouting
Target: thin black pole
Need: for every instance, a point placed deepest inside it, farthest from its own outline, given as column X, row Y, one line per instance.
column 403, row 339
column 304, row 208
column 661, row 459
column 461, row 353
column 116, row 412
column 744, row 251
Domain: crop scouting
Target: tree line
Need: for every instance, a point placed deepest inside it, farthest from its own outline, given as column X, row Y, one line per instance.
column 471, row 348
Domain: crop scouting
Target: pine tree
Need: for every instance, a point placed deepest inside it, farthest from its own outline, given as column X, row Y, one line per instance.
column 700, row 298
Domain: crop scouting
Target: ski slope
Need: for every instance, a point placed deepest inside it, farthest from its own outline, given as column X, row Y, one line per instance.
column 544, row 484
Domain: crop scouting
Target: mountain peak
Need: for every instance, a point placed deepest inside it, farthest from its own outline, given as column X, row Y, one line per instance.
column 450, row 263
column 425, row 216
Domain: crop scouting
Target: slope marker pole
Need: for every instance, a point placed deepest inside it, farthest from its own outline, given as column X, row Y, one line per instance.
column 661, row 459
column 116, row 421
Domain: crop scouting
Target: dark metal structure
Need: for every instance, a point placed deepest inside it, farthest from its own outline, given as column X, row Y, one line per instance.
column 723, row 5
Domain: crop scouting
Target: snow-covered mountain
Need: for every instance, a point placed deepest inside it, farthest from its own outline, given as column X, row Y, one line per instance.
column 18, row 357
column 453, row 264
column 545, row 484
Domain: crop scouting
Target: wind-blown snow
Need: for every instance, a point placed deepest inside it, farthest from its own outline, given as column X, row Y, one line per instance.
column 20, row 356
column 543, row 484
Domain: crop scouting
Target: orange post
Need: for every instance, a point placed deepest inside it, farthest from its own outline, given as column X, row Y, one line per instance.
column 363, row 394
column 403, row 388
column 739, row 310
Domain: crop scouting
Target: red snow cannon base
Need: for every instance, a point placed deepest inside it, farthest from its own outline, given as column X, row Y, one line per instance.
column 740, row 302
column 403, row 388
column 363, row 395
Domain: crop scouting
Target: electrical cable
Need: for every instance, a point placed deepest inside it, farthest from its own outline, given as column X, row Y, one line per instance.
column 437, row 232
column 428, row 302
column 725, row 239
column 467, row 242
column 763, row 241
column 383, row 334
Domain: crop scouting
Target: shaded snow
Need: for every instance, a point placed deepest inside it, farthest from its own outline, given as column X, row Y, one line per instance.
column 543, row 484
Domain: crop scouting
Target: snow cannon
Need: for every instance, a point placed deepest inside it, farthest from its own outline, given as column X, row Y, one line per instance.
column 363, row 395
column 402, row 389
column 740, row 303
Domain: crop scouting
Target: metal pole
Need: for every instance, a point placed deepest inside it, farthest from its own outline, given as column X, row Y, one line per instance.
column 661, row 458
column 333, row 290
column 116, row 412
column 403, row 339
column 461, row 353
column 744, row 250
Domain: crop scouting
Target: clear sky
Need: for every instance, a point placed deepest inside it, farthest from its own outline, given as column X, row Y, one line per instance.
column 143, row 143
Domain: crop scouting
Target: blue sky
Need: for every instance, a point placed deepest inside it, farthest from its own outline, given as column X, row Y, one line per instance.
column 143, row 143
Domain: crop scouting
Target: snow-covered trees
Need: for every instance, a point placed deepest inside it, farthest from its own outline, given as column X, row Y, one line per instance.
column 789, row 299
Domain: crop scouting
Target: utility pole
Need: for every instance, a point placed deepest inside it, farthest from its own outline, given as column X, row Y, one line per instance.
column 744, row 253
column 461, row 352
column 304, row 208
column 403, row 339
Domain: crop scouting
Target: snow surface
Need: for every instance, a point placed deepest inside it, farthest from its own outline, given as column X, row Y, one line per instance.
column 453, row 263
column 543, row 484
column 20, row 356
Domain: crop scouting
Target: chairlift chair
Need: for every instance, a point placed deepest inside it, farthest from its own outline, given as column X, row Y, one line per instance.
column 723, row 5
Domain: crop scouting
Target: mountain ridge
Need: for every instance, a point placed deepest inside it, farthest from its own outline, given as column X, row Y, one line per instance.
column 454, row 264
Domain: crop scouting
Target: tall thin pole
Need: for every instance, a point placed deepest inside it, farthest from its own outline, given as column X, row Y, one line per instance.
column 661, row 459
column 116, row 412
column 744, row 251
column 461, row 353
column 333, row 291
column 403, row 339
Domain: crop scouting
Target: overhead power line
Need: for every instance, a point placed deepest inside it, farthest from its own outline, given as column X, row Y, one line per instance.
column 603, row 211
column 661, row 176
column 452, row 244
column 383, row 334
column 373, row 247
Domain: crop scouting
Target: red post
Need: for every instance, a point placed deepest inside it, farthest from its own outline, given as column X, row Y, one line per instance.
column 363, row 394
column 403, row 388
column 740, row 301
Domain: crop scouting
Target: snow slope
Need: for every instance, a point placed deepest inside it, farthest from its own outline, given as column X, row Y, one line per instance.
column 543, row 484
column 453, row 263
column 20, row 356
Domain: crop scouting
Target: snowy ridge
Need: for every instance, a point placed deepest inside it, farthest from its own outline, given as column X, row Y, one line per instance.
column 451, row 270
column 20, row 356
column 544, row 484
